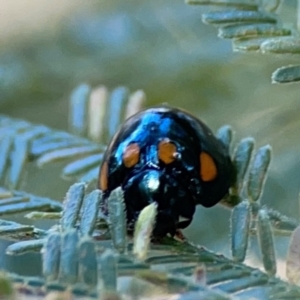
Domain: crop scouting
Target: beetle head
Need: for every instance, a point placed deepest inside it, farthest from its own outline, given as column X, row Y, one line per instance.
column 175, row 210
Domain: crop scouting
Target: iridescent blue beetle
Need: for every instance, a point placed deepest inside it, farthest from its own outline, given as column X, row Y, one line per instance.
column 166, row 155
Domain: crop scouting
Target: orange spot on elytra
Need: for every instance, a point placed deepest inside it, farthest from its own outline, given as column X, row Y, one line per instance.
column 208, row 169
column 167, row 151
column 131, row 155
column 103, row 177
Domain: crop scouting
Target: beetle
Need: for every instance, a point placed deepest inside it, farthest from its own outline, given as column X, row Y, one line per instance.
column 168, row 156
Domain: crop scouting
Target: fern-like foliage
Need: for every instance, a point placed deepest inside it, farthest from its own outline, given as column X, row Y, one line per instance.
column 14, row 202
column 78, row 254
column 24, row 142
column 253, row 26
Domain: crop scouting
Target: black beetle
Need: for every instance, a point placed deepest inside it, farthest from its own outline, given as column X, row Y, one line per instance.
column 166, row 155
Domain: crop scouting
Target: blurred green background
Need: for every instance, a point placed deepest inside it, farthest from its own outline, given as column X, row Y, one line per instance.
column 162, row 47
